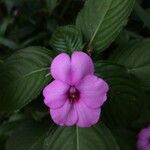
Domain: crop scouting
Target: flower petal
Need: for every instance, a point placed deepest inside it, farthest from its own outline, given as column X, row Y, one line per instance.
column 93, row 91
column 143, row 142
column 55, row 94
column 81, row 65
column 86, row 116
column 61, row 68
column 66, row 115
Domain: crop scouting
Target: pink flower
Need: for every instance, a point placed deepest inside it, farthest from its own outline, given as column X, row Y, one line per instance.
column 76, row 95
column 143, row 142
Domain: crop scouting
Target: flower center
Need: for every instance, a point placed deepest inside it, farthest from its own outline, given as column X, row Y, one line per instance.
column 73, row 94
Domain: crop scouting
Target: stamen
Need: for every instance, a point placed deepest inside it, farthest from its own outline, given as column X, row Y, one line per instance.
column 73, row 94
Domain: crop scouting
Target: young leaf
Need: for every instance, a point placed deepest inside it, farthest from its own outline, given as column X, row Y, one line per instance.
column 22, row 77
column 67, row 39
column 102, row 20
column 124, row 100
column 74, row 138
column 136, row 57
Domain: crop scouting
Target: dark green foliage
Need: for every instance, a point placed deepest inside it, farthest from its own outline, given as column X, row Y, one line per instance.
column 29, row 135
column 32, row 32
column 124, row 96
column 136, row 57
column 67, row 39
column 22, row 77
column 102, row 20
column 79, row 138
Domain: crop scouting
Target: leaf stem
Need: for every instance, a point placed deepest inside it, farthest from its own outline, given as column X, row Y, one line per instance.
column 47, row 75
column 106, row 8
column 77, row 132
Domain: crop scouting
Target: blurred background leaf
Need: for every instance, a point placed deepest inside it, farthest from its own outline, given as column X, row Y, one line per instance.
column 51, row 5
column 142, row 14
column 125, row 138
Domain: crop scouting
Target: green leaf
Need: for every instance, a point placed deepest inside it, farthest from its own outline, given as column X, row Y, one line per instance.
column 29, row 41
column 125, row 138
column 136, row 57
column 143, row 15
column 102, row 20
column 28, row 136
column 36, row 109
column 4, row 25
column 74, row 138
column 124, row 100
column 8, row 43
column 125, row 36
column 144, row 119
column 6, row 129
column 22, row 77
column 51, row 5
column 67, row 39
column 1, row 61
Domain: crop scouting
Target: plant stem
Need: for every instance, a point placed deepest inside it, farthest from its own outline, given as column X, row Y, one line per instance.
column 77, row 131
